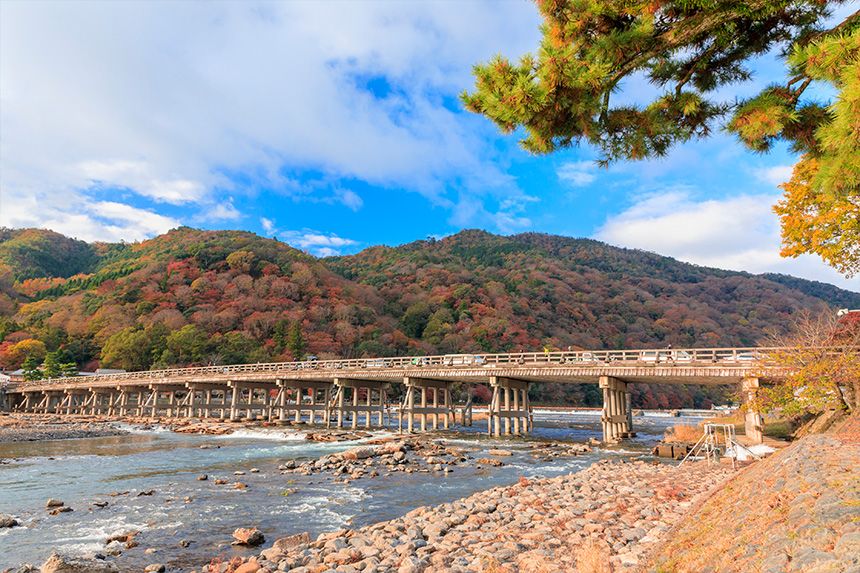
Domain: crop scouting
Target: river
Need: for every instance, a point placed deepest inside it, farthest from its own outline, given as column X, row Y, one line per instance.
column 84, row 472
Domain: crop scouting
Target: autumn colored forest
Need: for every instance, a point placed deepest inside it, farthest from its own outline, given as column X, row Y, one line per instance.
column 223, row 297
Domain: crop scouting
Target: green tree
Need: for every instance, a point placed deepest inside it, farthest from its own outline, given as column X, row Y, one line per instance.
column 31, row 368
column 296, row 342
column 53, row 368
column 690, row 50
column 415, row 319
column 68, row 369
column 280, row 334
column 130, row 349
column 187, row 345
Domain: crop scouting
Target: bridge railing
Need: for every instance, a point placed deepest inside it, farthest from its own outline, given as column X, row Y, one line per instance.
column 584, row 358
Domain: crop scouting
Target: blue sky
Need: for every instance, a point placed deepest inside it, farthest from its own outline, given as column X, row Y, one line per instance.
column 335, row 126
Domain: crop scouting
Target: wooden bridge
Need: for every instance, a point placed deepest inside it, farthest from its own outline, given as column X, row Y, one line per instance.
column 333, row 390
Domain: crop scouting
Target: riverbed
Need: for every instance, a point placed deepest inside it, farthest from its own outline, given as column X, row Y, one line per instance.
column 185, row 522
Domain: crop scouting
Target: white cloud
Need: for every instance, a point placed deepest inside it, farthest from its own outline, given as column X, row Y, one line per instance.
column 776, row 175
column 349, row 199
column 578, row 173
column 138, row 177
column 268, row 225
column 90, row 221
column 163, row 99
column 224, row 211
column 738, row 233
column 316, row 243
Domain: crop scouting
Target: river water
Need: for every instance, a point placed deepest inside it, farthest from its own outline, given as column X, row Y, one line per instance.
column 181, row 508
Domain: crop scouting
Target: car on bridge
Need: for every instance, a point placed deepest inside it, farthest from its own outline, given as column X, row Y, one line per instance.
column 743, row 357
column 582, row 357
column 668, row 356
column 462, row 360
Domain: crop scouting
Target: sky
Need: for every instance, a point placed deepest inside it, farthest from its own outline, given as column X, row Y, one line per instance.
column 335, row 126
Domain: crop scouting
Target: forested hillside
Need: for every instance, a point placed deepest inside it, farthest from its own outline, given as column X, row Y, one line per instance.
column 210, row 297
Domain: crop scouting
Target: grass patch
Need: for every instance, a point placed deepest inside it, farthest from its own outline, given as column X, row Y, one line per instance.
column 683, row 433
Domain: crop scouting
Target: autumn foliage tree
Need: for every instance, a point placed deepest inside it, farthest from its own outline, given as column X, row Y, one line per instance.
column 691, row 51
column 817, row 366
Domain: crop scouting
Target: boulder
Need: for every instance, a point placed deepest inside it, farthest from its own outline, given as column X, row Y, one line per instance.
column 287, row 543
column 500, row 453
column 54, row 503
column 245, row 536
column 57, row 563
column 6, row 521
column 359, row 453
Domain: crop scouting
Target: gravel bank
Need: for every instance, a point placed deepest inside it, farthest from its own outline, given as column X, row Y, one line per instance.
column 35, row 427
column 610, row 514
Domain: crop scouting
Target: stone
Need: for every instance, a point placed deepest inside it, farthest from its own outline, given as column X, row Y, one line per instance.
column 54, row 503
column 61, row 509
column 202, row 477
column 6, row 521
column 249, row 567
column 291, row 542
column 500, row 453
column 246, row 536
column 58, row 563
column 848, row 545
column 155, row 568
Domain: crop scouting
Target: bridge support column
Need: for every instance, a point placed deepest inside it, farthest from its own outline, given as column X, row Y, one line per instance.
column 501, row 407
column 617, row 412
column 441, row 398
column 259, row 402
column 374, row 389
column 753, row 423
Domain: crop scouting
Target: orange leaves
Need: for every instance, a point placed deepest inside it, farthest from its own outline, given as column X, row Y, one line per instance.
column 813, row 222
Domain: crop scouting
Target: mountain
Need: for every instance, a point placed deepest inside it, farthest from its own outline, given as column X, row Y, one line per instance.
column 199, row 297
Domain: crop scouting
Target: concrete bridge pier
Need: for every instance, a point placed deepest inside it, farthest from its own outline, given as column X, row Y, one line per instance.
column 201, row 400
column 436, row 391
column 101, row 401
column 155, row 402
column 753, row 423
column 77, row 401
column 309, row 396
column 371, row 388
column 258, row 401
column 125, row 404
column 510, row 402
column 617, row 411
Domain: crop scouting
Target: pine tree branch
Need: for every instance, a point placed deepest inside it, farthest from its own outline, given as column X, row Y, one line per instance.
column 673, row 38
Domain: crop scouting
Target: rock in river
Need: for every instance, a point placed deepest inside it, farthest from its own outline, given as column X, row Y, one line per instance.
column 57, row 563
column 246, row 536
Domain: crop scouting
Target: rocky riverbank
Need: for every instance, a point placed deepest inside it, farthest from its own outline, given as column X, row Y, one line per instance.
column 604, row 518
column 798, row 510
column 37, row 427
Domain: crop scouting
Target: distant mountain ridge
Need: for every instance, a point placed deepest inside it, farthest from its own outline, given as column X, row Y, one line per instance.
column 213, row 297
column 473, row 291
